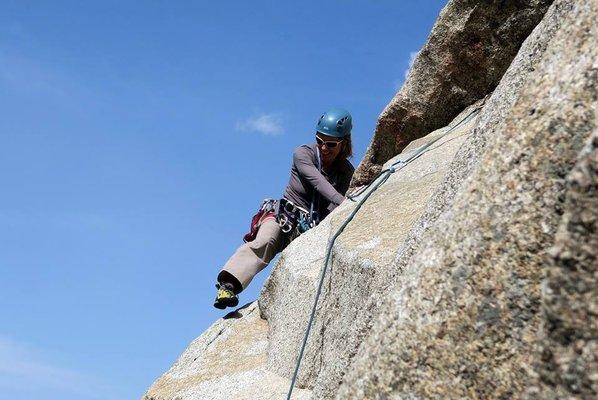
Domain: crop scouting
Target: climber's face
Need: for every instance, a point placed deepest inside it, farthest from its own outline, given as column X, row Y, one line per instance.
column 330, row 147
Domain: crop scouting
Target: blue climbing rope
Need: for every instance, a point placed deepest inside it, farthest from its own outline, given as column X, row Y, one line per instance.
column 374, row 185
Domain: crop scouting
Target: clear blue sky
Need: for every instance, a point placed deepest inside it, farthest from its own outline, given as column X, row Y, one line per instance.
column 136, row 141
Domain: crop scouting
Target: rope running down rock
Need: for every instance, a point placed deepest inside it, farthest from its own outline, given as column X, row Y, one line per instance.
column 374, row 185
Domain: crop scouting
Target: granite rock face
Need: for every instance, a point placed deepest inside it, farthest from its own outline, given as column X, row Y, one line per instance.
column 393, row 230
column 225, row 362
column 465, row 317
column 470, row 273
column 470, row 47
column 567, row 360
column 358, row 269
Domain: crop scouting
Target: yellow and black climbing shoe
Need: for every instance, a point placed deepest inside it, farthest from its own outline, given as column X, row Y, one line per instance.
column 225, row 296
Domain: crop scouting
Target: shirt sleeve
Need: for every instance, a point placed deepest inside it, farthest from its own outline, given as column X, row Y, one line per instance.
column 303, row 161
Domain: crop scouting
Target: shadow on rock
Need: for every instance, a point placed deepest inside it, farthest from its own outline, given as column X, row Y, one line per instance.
column 237, row 313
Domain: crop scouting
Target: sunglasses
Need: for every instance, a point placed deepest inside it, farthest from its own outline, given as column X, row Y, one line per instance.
column 330, row 144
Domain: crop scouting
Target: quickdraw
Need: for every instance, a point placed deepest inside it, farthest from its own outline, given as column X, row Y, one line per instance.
column 304, row 224
column 290, row 216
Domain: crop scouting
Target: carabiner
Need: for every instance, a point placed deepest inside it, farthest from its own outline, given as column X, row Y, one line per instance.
column 283, row 222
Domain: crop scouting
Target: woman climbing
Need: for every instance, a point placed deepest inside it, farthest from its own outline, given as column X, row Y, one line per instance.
column 320, row 177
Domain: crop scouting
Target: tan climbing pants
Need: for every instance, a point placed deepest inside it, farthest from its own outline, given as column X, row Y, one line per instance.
column 254, row 256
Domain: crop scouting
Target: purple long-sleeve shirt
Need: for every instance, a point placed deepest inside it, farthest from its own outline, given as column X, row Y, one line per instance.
column 305, row 177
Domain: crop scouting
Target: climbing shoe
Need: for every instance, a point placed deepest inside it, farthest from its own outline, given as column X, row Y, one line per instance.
column 225, row 297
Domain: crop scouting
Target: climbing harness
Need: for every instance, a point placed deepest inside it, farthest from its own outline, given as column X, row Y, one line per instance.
column 374, row 185
column 290, row 217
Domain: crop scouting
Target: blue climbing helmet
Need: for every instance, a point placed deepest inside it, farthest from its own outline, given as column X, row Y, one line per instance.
column 335, row 122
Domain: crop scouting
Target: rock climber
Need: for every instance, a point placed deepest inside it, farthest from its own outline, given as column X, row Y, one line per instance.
column 320, row 178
